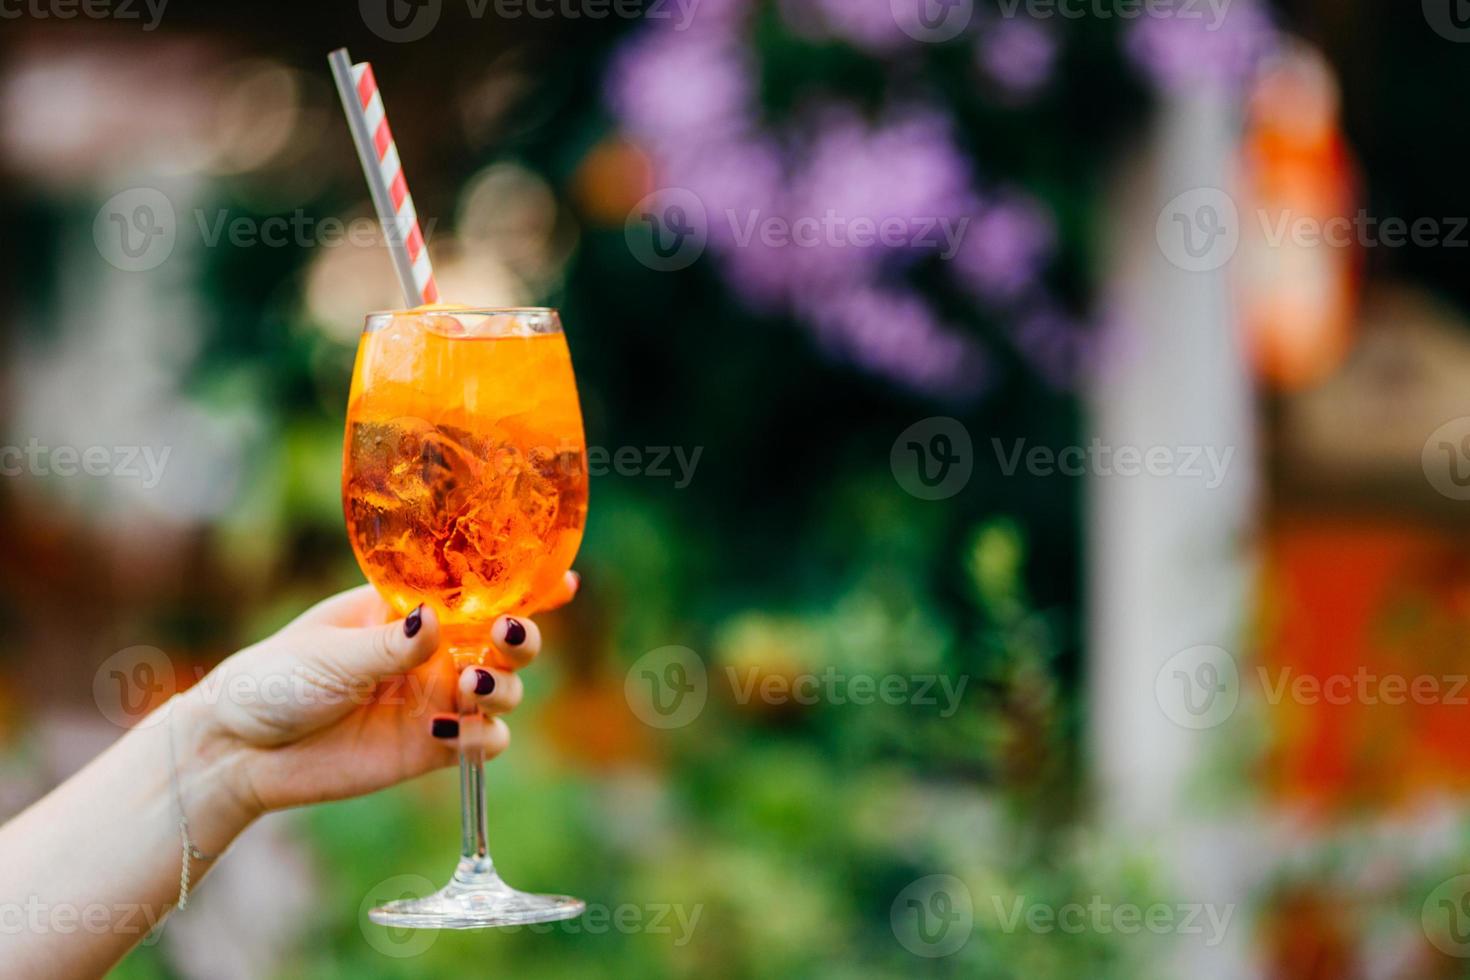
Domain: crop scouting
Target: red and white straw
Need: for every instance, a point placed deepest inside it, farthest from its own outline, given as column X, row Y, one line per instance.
column 380, row 163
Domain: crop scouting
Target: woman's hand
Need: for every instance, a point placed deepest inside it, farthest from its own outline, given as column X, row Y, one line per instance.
column 340, row 703
column 336, row 704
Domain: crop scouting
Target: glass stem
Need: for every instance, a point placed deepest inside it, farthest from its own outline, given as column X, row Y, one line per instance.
column 474, row 849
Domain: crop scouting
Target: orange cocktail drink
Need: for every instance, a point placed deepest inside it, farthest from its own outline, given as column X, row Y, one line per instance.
column 464, row 473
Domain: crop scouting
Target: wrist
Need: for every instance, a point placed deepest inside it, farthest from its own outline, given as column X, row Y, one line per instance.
column 216, row 795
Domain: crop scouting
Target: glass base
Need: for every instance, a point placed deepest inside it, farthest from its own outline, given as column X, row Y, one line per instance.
column 476, row 898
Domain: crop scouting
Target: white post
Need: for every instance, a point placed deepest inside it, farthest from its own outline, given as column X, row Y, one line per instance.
column 1170, row 555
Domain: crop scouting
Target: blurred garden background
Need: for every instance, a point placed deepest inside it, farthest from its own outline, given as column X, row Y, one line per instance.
column 819, row 467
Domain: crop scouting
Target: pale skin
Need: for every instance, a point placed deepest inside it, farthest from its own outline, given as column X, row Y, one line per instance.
column 342, row 702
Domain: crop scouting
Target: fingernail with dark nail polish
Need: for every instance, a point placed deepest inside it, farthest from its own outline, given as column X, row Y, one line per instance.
column 445, row 728
column 415, row 621
column 515, row 633
column 484, row 682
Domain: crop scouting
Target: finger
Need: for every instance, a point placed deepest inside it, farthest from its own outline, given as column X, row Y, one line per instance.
column 427, row 754
column 565, row 592
column 517, row 639
column 491, row 735
column 493, row 691
column 375, row 652
column 362, row 606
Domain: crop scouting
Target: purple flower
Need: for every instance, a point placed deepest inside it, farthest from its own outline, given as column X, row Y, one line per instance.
column 1221, row 49
column 895, row 333
column 821, row 229
column 868, row 24
column 1055, row 344
column 1018, row 55
column 817, row 219
column 1006, row 248
column 906, row 167
column 677, row 88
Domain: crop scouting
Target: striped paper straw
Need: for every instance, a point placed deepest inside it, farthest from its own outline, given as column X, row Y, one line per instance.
column 379, row 155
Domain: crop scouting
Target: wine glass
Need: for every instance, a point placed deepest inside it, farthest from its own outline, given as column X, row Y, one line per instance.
column 464, row 481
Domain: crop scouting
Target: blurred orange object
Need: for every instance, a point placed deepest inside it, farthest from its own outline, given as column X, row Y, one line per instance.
column 1301, row 239
column 612, row 178
column 1363, row 665
column 590, row 725
column 1309, row 935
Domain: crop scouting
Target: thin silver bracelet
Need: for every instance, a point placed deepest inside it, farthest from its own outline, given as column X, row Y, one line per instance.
column 190, row 852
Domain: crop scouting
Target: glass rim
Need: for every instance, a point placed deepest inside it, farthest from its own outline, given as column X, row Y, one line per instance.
column 477, row 322
column 467, row 311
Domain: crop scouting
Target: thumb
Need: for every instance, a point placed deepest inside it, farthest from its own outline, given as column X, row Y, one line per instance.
column 376, row 652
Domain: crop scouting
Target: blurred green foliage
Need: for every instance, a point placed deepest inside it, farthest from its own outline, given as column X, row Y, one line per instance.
column 787, row 832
